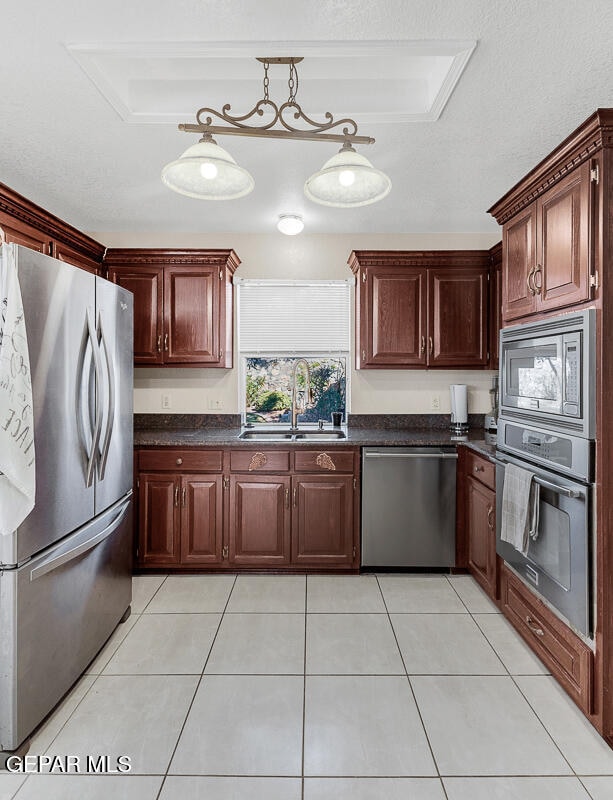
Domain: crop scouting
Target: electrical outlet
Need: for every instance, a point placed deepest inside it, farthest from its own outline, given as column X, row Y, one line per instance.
column 215, row 404
column 166, row 401
column 435, row 402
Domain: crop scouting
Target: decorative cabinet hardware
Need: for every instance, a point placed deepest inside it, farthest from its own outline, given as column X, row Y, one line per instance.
column 165, row 342
column 431, row 344
column 479, row 468
column 422, row 348
column 325, row 461
column 160, row 343
column 183, row 496
column 226, row 483
column 295, row 496
column 179, row 461
column 490, row 518
column 258, row 460
column 534, row 626
column 538, row 286
column 224, row 552
column 595, row 174
column 287, row 498
column 176, row 496
column 529, row 276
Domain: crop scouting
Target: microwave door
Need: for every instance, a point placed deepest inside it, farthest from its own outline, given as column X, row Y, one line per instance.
column 533, row 375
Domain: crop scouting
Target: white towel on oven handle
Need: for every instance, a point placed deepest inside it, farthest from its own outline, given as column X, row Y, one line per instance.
column 520, row 507
column 17, row 466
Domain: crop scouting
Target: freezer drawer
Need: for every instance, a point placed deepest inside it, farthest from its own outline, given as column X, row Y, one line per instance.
column 408, row 507
column 56, row 612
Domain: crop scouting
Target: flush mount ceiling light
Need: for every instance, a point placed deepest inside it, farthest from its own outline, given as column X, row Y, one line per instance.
column 209, row 172
column 290, row 224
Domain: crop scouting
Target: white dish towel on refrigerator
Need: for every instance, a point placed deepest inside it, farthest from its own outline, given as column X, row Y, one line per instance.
column 17, row 468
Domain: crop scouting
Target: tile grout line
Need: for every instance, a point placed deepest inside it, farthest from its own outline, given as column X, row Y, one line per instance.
column 306, row 608
column 512, row 677
column 198, row 684
column 417, row 708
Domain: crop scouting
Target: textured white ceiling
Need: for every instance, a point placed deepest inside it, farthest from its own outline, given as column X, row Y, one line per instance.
column 539, row 69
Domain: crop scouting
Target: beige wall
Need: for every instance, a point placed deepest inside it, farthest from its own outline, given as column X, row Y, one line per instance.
column 305, row 256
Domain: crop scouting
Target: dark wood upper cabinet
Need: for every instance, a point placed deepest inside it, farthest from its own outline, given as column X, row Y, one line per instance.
column 147, row 286
column 495, row 303
column 458, row 315
column 393, row 318
column 182, row 304
column 421, row 309
column 552, row 222
column 23, row 222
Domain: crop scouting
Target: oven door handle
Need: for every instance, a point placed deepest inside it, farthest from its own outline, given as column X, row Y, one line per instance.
column 572, row 493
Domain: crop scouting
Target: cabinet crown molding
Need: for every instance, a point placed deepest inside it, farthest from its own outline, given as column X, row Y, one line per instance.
column 360, row 259
column 134, row 256
column 587, row 141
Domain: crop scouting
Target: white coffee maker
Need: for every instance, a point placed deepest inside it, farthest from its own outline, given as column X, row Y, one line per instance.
column 459, row 408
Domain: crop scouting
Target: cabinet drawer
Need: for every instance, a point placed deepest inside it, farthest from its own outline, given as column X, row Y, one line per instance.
column 481, row 469
column 566, row 655
column 259, row 460
column 181, row 460
column 323, row 460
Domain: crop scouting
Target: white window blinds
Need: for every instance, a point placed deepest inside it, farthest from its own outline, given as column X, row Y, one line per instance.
column 293, row 316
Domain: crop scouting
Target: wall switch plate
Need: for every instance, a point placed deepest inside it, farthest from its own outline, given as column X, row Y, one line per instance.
column 435, row 402
column 166, row 401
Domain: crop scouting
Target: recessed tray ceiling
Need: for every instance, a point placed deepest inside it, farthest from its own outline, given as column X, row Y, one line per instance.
column 372, row 81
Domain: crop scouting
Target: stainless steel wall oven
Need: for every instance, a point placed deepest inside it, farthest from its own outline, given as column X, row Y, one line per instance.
column 547, row 426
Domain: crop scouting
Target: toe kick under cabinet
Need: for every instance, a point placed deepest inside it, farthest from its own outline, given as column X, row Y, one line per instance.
column 202, row 509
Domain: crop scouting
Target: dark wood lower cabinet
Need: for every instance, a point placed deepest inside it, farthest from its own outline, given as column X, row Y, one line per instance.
column 201, row 519
column 481, row 521
column 158, row 501
column 259, row 532
column 201, row 508
column 323, row 520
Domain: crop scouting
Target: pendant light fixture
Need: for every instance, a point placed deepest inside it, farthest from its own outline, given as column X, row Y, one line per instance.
column 347, row 180
column 209, row 172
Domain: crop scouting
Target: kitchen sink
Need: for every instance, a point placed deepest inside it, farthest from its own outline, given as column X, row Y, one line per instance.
column 298, row 435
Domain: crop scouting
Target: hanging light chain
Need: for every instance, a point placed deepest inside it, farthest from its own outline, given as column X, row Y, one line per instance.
column 266, row 81
column 292, row 83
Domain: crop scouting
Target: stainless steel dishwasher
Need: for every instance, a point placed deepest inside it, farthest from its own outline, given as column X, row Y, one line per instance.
column 408, row 506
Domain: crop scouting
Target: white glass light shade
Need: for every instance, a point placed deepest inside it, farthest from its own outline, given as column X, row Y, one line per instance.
column 348, row 179
column 290, row 224
column 207, row 172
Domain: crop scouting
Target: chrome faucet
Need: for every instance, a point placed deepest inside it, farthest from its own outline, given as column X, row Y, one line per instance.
column 307, row 396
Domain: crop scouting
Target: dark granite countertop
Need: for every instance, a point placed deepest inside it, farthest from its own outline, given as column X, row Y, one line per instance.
column 357, row 436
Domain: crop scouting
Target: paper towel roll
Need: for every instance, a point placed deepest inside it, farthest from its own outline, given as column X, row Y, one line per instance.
column 459, row 404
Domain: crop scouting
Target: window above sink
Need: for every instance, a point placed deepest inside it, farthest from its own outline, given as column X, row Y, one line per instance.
column 280, row 322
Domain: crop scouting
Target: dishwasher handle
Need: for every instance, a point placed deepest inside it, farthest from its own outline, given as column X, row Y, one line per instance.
column 410, row 455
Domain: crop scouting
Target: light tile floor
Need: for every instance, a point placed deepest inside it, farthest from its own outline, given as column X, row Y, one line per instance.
column 321, row 688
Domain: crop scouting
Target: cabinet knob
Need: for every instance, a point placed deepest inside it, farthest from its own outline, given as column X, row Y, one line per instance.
column 479, row 468
column 179, row 461
column 534, row 626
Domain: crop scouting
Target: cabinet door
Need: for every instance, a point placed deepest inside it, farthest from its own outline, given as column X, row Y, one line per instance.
column 192, row 315
column 322, row 520
column 147, row 286
column 519, row 256
column 457, row 317
column 495, row 306
column 71, row 256
column 393, row 317
column 158, row 519
column 15, row 232
column 259, row 530
column 481, row 523
column 201, row 519
column 563, row 271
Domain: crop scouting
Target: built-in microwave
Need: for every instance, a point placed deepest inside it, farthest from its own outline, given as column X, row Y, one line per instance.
column 547, row 372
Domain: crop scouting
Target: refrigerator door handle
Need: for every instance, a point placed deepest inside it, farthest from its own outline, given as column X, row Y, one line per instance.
column 83, row 547
column 91, row 461
column 104, row 450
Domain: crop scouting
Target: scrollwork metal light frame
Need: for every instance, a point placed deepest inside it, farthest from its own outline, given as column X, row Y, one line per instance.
column 241, row 125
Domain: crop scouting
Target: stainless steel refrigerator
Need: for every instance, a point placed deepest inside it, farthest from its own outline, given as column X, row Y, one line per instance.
column 65, row 573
